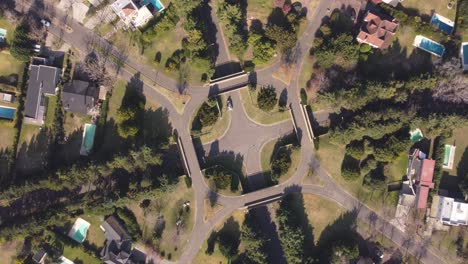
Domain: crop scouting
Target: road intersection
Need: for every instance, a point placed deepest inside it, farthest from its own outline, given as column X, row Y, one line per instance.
column 241, row 131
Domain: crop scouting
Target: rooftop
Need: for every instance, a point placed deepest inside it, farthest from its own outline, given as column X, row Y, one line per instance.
column 79, row 96
column 452, row 212
column 377, row 30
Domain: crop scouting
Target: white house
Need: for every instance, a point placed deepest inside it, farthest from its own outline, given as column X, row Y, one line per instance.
column 393, row 3
column 451, row 212
column 131, row 14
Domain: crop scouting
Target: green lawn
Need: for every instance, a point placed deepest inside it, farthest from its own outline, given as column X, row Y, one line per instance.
column 249, row 101
column 216, row 257
column 7, row 134
column 427, row 7
column 8, row 64
column 259, row 9
column 33, row 148
column 209, row 134
column 8, row 251
column 51, row 102
column 75, row 121
column 118, row 93
column 77, row 254
column 321, row 212
column 460, row 140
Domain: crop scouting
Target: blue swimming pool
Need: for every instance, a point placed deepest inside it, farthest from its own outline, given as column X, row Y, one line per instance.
column 7, row 112
column 156, row 3
column 442, row 23
column 432, row 47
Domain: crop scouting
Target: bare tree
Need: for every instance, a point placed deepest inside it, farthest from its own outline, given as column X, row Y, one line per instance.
column 95, row 68
column 452, row 85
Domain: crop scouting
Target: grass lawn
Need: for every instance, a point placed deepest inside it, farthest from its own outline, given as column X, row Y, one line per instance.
column 33, row 148
column 216, row 131
column 118, row 93
column 75, row 121
column 321, row 212
column 7, row 134
column 8, row 251
column 460, row 140
column 95, row 234
column 216, row 256
column 331, row 157
column 77, row 255
column 210, row 211
column 51, row 102
column 8, row 64
column 430, row 6
column 165, row 205
column 267, row 154
column 259, row 9
column 445, row 243
column 405, row 37
column 249, row 101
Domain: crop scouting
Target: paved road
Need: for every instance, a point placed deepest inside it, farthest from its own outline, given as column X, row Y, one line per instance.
column 81, row 39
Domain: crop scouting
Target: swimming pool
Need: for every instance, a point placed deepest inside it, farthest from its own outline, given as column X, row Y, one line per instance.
column 429, row 45
column 449, row 156
column 443, row 23
column 88, row 139
column 156, row 3
column 7, row 112
column 416, row 135
column 79, row 230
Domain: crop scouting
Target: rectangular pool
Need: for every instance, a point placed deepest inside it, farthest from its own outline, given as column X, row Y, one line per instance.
column 88, row 139
column 79, row 230
column 7, row 112
column 156, row 3
column 429, row 45
column 443, row 23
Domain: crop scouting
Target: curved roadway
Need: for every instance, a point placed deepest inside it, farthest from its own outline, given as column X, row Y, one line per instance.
column 80, row 39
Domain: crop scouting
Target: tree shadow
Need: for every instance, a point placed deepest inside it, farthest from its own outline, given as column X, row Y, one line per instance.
column 157, row 128
column 228, row 237
column 212, row 197
column 283, row 98
column 263, row 219
column 292, row 209
column 32, row 157
column 341, row 230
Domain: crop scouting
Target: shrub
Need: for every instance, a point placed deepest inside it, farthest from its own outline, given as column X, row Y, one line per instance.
column 188, row 181
column 267, row 99
column 355, row 149
column 350, row 168
column 21, row 44
column 280, row 164
column 365, row 48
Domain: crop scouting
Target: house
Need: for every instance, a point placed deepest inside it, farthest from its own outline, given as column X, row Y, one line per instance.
column 393, row 3
column 464, row 55
column 377, row 30
column 80, row 97
column 118, row 246
column 43, row 81
column 420, row 174
column 452, row 212
column 131, row 14
column 40, row 257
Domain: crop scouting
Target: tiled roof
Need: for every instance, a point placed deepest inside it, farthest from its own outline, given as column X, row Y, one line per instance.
column 377, row 31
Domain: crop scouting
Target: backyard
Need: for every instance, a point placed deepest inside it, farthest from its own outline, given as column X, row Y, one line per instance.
column 249, row 102
column 429, row 7
column 78, row 255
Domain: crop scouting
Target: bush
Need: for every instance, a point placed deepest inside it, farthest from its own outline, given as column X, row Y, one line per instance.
column 365, row 48
column 221, row 177
column 188, row 181
column 130, row 222
column 350, row 168
column 21, row 44
column 266, row 98
column 355, row 149
column 303, row 96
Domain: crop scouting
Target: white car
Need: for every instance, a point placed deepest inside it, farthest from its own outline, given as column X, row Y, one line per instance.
column 45, row 22
column 229, row 103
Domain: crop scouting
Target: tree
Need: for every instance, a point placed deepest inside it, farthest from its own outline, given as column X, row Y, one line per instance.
column 280, row 164
column 355, row 149
column 263, row 48
column 285, row 38
column 222, row 179
column 266, row 98
column 183, row 7
column 344, row 253
column 208, row 113
column 20, row 47
column 253, row 240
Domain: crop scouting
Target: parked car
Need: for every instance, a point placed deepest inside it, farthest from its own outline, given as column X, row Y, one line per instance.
column 45, row 22
column 229, row 103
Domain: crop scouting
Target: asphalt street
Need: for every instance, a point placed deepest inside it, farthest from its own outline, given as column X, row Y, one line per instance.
column 243, row 136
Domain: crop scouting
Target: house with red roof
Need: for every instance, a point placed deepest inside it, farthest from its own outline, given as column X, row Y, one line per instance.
column 420, row 176
column 377, row 30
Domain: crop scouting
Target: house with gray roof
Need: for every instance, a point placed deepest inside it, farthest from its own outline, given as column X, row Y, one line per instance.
column 118, row 246
column 43, row 81
column 80, row 97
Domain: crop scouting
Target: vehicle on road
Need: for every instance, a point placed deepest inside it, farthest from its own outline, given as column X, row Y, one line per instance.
column 229, row 103
column 45, row 22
